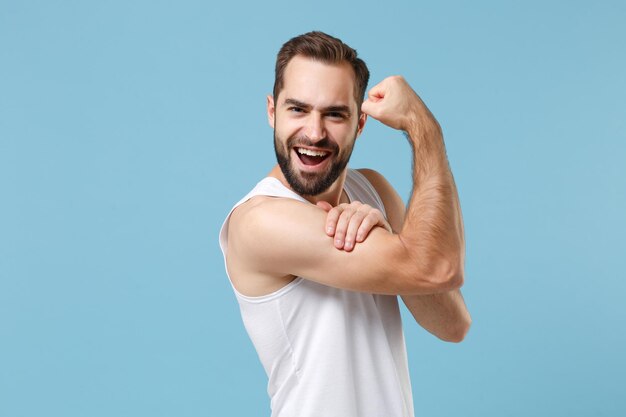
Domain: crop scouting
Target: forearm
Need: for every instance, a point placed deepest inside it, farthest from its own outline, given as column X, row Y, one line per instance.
column 429, row 249
column 433, row 228
column 444, row 314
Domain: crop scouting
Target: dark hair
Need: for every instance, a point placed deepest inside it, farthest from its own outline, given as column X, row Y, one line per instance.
column 325, row 48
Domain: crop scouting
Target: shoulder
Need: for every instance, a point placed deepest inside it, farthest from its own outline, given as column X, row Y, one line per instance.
column 261, row 213
column 263, row 225
column 394, row 205
column 254, row 239
column 377, row 179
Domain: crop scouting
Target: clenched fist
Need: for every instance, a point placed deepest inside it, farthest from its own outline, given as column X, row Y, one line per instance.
column 394, row 103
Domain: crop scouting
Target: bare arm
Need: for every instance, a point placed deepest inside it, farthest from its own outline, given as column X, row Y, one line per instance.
column 274, row 236
column 432, row 224
column 445, row 314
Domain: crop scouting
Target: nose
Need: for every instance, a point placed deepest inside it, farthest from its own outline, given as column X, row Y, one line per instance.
column 315, row 127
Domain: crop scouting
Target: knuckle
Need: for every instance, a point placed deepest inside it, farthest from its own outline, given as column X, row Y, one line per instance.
column 343, row 216
column 357, row 221
column 346, row 214
column 370, row 219
column 334, row 213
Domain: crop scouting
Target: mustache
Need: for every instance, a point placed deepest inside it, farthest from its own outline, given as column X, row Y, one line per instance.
column 304, row 141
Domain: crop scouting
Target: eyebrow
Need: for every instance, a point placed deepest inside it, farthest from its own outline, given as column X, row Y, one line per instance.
column 337, row 108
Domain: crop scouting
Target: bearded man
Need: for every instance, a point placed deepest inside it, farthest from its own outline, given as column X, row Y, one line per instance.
column 317, row 253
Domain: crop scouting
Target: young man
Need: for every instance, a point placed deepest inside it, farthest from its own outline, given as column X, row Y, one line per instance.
column 317, row 253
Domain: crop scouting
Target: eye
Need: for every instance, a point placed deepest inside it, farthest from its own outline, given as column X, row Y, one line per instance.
column 296, row 109
column 336, row 115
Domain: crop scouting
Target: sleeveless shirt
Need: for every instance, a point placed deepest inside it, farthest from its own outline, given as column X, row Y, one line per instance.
column 328, row 352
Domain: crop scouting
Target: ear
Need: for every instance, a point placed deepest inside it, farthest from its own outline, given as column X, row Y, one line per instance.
column 361, row 124
column 271, row 110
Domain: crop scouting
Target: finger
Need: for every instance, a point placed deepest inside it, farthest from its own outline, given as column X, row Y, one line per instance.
column 353, row 227
column 374, row 95
column 371, row 107
column 324, row 205
column 366, row 107
column 342, row 226
column 368, row 223
column 377, row 92
column 380, row 219
column 331, row 219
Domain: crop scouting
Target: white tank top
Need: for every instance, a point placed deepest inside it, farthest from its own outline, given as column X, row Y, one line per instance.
column 328, row 352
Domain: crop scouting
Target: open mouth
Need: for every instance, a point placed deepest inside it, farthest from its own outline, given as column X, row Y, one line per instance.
column 311, row 157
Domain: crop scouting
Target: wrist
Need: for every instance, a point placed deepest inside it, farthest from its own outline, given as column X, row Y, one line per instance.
column 423, row 131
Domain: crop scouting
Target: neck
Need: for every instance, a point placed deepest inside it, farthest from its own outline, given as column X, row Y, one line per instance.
column 334, row 195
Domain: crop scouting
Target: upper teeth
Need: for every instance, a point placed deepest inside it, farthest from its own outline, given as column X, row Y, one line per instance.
column 310, row 152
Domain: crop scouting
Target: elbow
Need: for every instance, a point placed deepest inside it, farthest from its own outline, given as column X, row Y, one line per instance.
column 432, row 281
column 455, row 280
column 458, row 332
column 450, row 276
column 439, row 274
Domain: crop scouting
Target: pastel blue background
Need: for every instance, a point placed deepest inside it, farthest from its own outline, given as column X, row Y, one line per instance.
column 129, row 128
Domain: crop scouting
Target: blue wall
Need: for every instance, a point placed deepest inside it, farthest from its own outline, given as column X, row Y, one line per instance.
column 129, row 128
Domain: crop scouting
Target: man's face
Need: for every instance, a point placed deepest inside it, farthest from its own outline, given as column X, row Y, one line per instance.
column 315, row 120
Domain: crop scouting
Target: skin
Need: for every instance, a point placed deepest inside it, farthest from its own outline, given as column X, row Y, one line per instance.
column 272, row 240
column 320, row 87
column 444, row 315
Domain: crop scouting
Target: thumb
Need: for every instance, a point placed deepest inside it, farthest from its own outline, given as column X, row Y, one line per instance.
column 375, row 95
column 324, row 206
column 371, row 104
column 366, row 107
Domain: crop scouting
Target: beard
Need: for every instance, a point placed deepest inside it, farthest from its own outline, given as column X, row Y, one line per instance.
column 308, row 183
